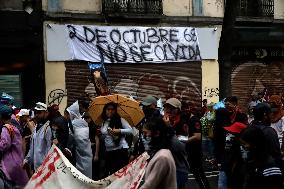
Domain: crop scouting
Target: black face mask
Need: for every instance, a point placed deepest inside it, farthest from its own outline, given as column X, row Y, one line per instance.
column 148, row 112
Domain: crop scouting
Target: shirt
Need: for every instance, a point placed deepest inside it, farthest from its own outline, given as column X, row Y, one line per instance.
column 279, row 128
column 40, row 144
column 108, row 138
column 194, row 148
column 161, row 171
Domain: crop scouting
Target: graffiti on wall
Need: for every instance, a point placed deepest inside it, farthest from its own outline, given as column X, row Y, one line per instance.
column 250, row 78
column 181, row 87
column 211, row 92
column 56, row 96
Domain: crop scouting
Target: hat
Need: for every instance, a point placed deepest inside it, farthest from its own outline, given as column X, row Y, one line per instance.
column 24, row 112
column 173, row 102
column 41, row 106
column 6, row 110
column 149, row 100
column 236, row 127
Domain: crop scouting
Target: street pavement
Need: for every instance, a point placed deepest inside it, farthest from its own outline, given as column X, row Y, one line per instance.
column 211, row 174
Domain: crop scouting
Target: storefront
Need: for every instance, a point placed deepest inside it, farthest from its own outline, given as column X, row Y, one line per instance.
column 161, row 61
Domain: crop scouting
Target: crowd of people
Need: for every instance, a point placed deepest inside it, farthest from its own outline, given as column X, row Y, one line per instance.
column 246, row 148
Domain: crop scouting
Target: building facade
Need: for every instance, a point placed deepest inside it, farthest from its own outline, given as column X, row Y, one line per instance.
column 68, row 80
column 21, row 64
column 256, row 64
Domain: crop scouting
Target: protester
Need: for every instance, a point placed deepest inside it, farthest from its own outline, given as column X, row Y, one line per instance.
column 231, row 104
column 204, row 108
column 113, row 129
column 82, row 141
column 41, row 139
column 27, row 126
column 262, row 121
column 233, row 163
column 222, row 119
column 188, row 132
column 161, row 170
column 262, row 171
column 11, row 149
column 61, row 135
column 149, row 105
column 277, row 118
column 95, row 136
column 71, row 141
column 207, row 133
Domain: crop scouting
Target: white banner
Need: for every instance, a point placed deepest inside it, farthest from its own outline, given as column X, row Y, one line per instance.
column 129, row 44
column 57, row 172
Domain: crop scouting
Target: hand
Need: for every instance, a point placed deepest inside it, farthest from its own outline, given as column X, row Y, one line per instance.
column 55, row 141
column 131, row 158
column 96, row 158
column 114, row 132
column 25, row 162
column 167, row 120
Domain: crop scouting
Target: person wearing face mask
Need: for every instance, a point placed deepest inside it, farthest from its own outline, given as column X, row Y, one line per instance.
column 141, row 143
column 161, row 170
column 114, row 130
column 231, row 104
column 262, row 121
column 189, row 132
column 277, row 118
column 261, row 171
column 233, row 164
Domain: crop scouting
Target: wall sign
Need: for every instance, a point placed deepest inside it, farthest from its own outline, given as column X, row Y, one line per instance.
column 133, row 44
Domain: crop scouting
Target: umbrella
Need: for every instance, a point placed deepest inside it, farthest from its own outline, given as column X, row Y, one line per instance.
column 127, row 108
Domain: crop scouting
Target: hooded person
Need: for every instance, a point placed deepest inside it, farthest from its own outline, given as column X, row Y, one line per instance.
column 82, row 140
column 11, row 149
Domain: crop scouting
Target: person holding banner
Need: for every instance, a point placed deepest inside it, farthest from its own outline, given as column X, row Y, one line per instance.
column 114, row 129
column 161, row 169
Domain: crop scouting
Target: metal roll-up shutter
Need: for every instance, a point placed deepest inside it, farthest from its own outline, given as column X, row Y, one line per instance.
column 250, row 78
column 11, row 84
column 181, row 80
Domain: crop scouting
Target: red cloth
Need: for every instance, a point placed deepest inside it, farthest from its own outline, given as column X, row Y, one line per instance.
column 236, row 127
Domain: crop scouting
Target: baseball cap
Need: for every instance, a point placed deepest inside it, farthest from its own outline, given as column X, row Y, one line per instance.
column 173, row 102
column 237, row 127
column 41, row 106
column 148, row 100
column 24, row 112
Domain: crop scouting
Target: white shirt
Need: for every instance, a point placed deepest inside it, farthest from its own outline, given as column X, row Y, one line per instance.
column 279, row 128
column 108, row 138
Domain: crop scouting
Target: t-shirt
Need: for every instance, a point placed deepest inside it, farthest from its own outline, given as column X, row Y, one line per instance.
column 279, row 128
column 194, row 148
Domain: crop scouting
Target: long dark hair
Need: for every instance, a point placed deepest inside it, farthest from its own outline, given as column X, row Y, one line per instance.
column 163, row 140
column 256, row 138
column 115, row 121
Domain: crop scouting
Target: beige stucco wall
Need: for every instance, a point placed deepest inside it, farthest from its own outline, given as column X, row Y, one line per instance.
column 210, row 80
column 177, row 7
column 278, row 9
column 55, row 79
column 82, row 5
column 213, row 8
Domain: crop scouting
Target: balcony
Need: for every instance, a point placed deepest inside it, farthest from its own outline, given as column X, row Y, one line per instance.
column 132, row 7
column 256, row 8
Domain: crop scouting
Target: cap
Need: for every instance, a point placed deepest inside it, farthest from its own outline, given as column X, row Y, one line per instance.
column 24, row 112
column 41, row 106
column 174, row 102
column 237, row 127
column 149, row 100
